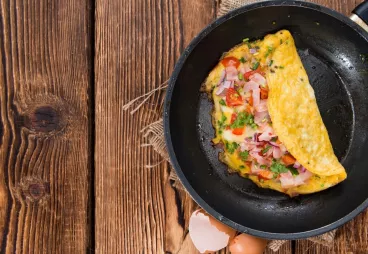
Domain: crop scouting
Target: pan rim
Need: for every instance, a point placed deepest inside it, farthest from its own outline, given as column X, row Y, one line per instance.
column 166, row 120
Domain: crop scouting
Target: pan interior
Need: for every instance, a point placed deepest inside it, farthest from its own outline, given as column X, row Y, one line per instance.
column 330, row 51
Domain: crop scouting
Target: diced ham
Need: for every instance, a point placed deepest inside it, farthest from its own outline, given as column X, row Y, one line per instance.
column 262, row 106
column 231, row 73
column 287, row 180
column 276, row 153
column 251, row 85
column 256, row 97
column 260, row 159
column 244, row 68
column 260, row 116
column 302, row 177
column 258, row 78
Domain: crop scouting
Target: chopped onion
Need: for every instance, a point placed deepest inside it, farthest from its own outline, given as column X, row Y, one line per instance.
column 252, row 51
column 222, row 77
column 287, row 180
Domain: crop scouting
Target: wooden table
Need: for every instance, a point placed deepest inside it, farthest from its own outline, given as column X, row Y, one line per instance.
column 72, row 175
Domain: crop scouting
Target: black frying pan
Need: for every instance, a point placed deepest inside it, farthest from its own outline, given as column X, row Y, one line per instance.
column 339, row 75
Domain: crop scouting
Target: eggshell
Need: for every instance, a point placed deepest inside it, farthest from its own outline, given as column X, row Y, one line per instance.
column 208, row 234
column 247, row 244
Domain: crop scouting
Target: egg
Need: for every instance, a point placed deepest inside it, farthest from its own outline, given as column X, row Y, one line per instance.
column 247, row 244
column 208, row 235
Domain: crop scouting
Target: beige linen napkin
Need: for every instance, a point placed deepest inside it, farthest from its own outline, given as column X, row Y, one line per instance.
column 154, row 133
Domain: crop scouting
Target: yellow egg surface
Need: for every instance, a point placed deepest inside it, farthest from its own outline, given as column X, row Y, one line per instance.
column 294, row 118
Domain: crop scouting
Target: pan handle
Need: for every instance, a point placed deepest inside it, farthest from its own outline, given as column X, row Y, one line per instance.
column 360, row 15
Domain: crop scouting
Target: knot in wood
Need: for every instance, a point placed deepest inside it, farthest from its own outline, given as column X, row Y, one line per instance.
column 33, row 189
column 44, row 119
column 37, row 191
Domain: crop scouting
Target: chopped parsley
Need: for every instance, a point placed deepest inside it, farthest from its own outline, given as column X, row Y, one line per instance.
column 294, row 171
column 244, row 155
column 271, row 62
column 242, row 60
column 246, row 40
column 242, row 167
column 222, row 102
column 274, row 139
column 322, row 185
column 266, row 149
column 280, row 41
column 269, row 51
column 281, row 67
column 278, row 168
column 263, row 166
column 221, row 123
column 231, row 147
column 241, row 120
column 255, row 66
column 240, row 76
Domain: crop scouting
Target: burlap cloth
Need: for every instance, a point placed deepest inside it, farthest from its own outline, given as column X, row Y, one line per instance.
column 154, row 132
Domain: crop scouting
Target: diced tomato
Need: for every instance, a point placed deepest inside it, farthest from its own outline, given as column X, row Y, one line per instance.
column 250, row 73
column 233, row 98
column 248, row 109
column 288, row 159
column 265, row 174
column 264, row 93
column 250, row 100
column 230, row 61
column 238, row 131
column 233, row 118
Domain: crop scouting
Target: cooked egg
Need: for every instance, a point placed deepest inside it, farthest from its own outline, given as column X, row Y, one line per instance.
column 208, row 234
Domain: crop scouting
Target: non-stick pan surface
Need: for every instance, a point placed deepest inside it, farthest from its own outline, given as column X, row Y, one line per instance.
column 332, row 49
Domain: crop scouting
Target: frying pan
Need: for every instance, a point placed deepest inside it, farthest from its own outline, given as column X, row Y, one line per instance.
column 334, row 50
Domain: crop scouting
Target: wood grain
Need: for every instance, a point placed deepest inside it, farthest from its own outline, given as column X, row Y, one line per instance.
column 137, row 44
column 44, row 126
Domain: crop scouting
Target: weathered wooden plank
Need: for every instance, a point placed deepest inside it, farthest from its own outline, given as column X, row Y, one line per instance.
column 45, row 145
column 137, row 44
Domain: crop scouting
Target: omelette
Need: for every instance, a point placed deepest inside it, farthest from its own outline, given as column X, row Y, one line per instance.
column 267, row 120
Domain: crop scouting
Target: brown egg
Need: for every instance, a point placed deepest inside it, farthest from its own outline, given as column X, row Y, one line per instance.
column 247, row 244
column 208, row 235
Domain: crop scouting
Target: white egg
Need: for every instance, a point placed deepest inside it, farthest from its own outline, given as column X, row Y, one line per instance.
column 208, row 234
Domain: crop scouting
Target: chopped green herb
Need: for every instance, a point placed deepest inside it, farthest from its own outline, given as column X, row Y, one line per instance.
column 244, row 155
column 221, row 123
column 317, row 176
column 214, row 86
column 281, row 67
column 280, row 41
column 274, row 139
column 266, row 149
column 246, row 40
column 231, row 147
column 263, row 166
column 220, row 131
column 240, row 76
column 255, row 66
column 322, row 185
column 242, row 167
column 254, row 126
column 242, row 60
column 271, row 62
column 294, row 171
column 242, row 119
column 269, row 51
column 222, row 102
column 278, row 168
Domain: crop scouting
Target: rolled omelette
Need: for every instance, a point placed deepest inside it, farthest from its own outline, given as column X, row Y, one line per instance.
column 267, row 119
